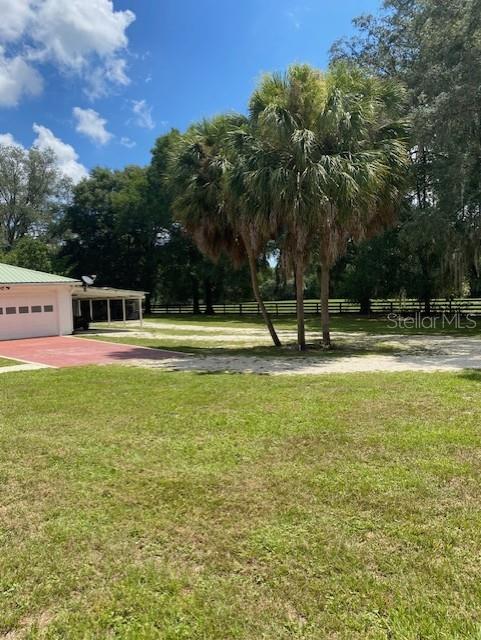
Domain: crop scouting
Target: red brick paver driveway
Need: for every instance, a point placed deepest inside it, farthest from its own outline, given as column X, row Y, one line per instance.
column 70, row 351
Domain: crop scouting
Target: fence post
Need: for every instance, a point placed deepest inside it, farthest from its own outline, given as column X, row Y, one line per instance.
column 166, row 309
column 340, row 307
column 240, row 309
column 277, row 310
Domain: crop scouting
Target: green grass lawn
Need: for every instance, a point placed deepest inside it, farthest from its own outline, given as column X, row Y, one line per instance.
column 6, row 362
column 142, row 505
column 345, row 322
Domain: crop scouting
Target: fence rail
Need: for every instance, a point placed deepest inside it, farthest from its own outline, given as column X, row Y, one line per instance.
column 463, row 306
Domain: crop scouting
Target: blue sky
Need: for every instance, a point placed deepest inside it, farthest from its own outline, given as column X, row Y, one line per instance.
column 99, row 81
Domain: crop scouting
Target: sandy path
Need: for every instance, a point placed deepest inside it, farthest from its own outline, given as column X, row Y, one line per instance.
column 261, row 330
column 440, row 353
column 216, row 338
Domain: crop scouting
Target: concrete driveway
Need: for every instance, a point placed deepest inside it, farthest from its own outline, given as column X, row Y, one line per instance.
column 69, row 351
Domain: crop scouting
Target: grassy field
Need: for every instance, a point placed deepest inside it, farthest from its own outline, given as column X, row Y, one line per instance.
column 345, row 322
column 6, row 362
column 145, row 505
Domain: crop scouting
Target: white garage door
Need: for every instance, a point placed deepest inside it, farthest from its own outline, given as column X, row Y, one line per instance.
column 28, row 317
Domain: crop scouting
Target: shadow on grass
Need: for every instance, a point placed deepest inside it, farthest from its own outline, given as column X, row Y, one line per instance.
column 93, row 331
column 471, row 374
column 288, row 350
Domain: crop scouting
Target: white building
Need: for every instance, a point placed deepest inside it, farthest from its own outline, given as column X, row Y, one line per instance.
column 35, row 304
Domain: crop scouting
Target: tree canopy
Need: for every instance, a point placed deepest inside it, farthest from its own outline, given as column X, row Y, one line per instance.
column 434, row 49
column 31, row 191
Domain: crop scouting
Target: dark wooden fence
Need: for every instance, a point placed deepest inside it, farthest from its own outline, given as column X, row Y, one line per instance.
column 463, row 306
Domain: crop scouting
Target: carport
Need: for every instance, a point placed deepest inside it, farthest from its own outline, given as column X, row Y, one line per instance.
column 101, row 302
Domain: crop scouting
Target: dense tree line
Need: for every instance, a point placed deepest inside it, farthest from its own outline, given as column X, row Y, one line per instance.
column 434, row 49
column 306, row 195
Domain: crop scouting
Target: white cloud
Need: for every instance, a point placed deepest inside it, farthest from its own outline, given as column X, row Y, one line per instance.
column 91, row 124
column 70, row 32
column 66, row 155
column 7, row 140
column 127, row 142
column 86, row 37
column 15, row 17
column 101, row 78
column 17, row 78
column 143, row 114
column 115, row 71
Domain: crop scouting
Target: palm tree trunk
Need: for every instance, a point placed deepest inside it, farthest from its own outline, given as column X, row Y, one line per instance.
column 301, row 330
column 195, row 295
column 427, row 305
column 258, row 297
column 365, row 306
column 326, row 333
column 208, row 298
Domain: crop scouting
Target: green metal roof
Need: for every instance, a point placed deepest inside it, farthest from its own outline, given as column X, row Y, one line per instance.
column 9, row 274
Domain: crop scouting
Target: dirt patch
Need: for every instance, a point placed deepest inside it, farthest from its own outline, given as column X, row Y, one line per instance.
column 456, row 354
column 358, row 352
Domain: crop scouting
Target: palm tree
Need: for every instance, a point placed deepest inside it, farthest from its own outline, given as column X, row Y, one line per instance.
column 208, row 204
column 284, row 111
column 328, row 158
column 365, row 154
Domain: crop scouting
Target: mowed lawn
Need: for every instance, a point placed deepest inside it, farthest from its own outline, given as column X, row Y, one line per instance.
column 375, row 324
column 142, row 505
column 6, row 362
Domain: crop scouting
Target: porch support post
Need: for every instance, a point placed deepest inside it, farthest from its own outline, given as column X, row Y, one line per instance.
column 124, row 315
column 108, row 310
column 91, row 310
column 140, row 312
